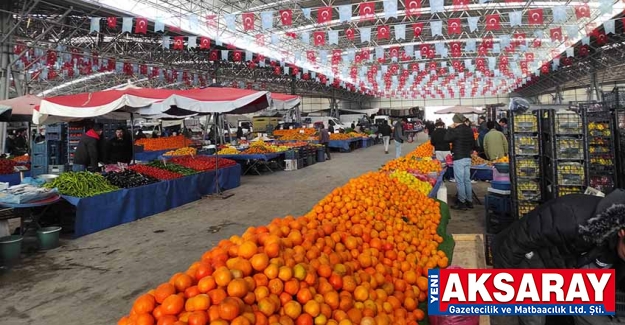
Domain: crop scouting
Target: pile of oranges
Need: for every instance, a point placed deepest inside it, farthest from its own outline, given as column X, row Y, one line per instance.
column 360, row 256
column 422, row 166
column 424, row 150
column 295, row 134
column 340, row 136
column 164, row 143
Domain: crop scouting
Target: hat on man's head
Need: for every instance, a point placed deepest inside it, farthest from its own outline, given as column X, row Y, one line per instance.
column 458, row 118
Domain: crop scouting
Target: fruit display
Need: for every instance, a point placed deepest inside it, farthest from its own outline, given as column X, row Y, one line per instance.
column 295, row 144
column 412, row 181
column 528, row 190
column 129, row 179
column 295, row 134
column 525, row 123
column 477, row 160
column 528, row 167
column 202, row 163
column 504, row 159
column 81, row 184
column 164, row 143
column 570, row 173
column 7, row 166
column 569, row 148
column 568, row 123
column 599, row 129
column 172, row 167
column 602, row 182
column 21, row 159
column 566, row 190
column 340, row 136
column 526, row 207
column 258, row 150
column 426, row 149
column 186, row 151
column 228, row 151
column 422, row 166
column 157, row 173
column 358, row 257
column 526, row 145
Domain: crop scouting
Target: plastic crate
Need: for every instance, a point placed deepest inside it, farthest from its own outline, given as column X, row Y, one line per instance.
column 566, row 190
column 570, row 173
column 300, row 163
column 57, row 169
column 524, row 207
column 527, row 167
column 526, row 145
column 525, row 123
column 497, row 203
column 54, row 128
column 38, row 170
column 488, row 248
column 569, row 148
column 620, row 303
column 568, row 123
column 39, row 160
column 528, row 190
column 54, row 136
column 497, row 222
column 40, row 148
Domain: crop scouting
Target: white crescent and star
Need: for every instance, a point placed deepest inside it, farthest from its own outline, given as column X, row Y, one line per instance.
column 141, row 23
column 535, row 16
column 319, row 38
column 366, row 10
column 248, row 21
column 325, row 13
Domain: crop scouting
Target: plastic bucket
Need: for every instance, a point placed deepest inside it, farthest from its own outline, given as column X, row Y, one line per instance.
column 48, row 237
column 10, row 247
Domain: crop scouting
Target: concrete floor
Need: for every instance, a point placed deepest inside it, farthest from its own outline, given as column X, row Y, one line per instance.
column 94, row 279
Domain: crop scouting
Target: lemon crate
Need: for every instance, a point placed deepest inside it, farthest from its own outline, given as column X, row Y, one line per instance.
column 571, row 174
column 569, row 148
column 527, row 167
column 528, row 190
column 524, row 207
column 526, row 145
column 525, row 123
column 568, row 123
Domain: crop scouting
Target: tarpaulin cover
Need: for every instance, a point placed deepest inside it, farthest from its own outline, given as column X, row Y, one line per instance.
column 115, row 208
column 284, row 101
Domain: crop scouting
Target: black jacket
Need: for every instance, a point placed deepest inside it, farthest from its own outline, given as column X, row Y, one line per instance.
column 119, row 150
column 385, row 130
column 438, row 140
column 461, row 138
column 568, row 232
column 431, row 128
column 87, row 152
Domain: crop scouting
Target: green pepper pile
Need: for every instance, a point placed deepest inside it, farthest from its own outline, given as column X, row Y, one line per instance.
column 81, row 184
column 172, row 167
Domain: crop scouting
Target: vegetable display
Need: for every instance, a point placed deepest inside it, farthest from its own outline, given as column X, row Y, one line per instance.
column 155, row 172
column 129, row 179
column 21, row 159
column 7, row 166
column 81, row 184
column 164, row 143
column 228, row 151
column 172, row 167
column 181, row 152
column 202, row 163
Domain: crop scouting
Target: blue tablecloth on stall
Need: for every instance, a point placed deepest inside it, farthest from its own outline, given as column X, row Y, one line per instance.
column 478, row 173
column 111, row 209
column 439, row 180
column 13, row 179
column 149, row 155
column 342, row 144
column 265, row 157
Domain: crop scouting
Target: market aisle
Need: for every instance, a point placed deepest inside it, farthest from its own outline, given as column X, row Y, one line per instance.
column 94, row 279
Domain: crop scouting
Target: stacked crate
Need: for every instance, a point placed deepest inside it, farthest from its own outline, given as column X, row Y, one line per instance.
column 600, row 149
column 564, row 160
column 525, row 165
column 74, row 133
column 110, row 126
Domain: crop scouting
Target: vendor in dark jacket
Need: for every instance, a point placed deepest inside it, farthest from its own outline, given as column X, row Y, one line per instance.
column 87, row 154
column 570, row 232
column 119, row 148
column 441, row 147
column 461, row 137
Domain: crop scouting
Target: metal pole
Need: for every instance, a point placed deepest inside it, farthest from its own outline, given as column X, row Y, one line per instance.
column 132, row 135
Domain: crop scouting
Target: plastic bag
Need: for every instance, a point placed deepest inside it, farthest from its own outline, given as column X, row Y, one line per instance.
column 455, row 320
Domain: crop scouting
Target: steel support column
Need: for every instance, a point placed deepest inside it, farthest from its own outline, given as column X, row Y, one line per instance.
column 6, row 31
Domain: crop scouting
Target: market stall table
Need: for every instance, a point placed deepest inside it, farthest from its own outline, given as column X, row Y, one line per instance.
column 125, row 205
column 439, row 180
column 149, row 155
column 253, row 161
column 26, row 212
column 14, row 178
column 344, row 145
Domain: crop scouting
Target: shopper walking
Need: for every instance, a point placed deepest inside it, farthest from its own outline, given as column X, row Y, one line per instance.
column 441, row 147
column 575, row 231
column 385, row 132
column 398, row 136
column 87, row 155
column 461, row 137
column 324, row 139
column 495, row 143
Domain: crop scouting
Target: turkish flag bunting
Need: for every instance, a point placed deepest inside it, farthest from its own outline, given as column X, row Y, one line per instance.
column 461, row 4
column 111, row 22
column 394, row 52
column 383, row 32
column 454, row 26
column 211, row 21
column 583, row 50
column 213, row 56
column 260, row 39
column 205, row 43
column 529, row 57
column 582, row 11
column 320, row 38
column 349, row 33
column 492, row 22
column 602, row 38
column 537, row 42
column 535, row 16
column 413, row 7
column 236, row 56
column 480, row 62
column 141, row 26
column 487, row 42
column 311, row 56
column 365, row 54
column 417, row 29
column 324, row 14
column 425, row 49
column 178, row 42
column 367, row 11
column 286, row 16
column 358, row 58
column 519, row 39
column 248, row 20
column 556, row 34
column 455, row 47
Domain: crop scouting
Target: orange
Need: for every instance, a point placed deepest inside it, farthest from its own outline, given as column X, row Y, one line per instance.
column 172, row 305
column 144, row 304
column 237, row 288
column 222, row 276
column 229, row 309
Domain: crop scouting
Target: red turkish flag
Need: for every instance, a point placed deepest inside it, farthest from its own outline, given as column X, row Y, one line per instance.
column 319, row 37
column 248, row 20
column 367, row 11
column 602, row 38
column 286, row 16
column 461, row 5
column 582, row 11
column 535, row 16
column 487, row 42
column 237, row 56
column 492, row 22
column 417, row 29
column 519, row 39
column 537, row 42
column 358, row 58
column 583, row 50
column 454, row 26
column 457, row 65
column 178, row 42
column 556, row 34
column 311, row 56
column 205, row 43
column 365, row 54
column 260, row 39
column 211, row 21
column 413, row 7
column 349, row 33
column 324, row 14
column 213, row 56
column 384, row 32
column 141, row 26
column 394, row 52
column 455, row 47
column 111, row 22
column 425, row 49
column 480, row 62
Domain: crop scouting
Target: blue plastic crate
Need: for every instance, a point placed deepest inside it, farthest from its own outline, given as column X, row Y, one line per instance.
column 498, row 203
column 53, row 136
column 54, row 128
column 501, row 185
column 40, row 148
column 39, row 160
column 38, row 170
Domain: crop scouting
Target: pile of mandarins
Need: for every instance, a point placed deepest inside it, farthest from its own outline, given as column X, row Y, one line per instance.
column 413, row 164
column 360, row 256
column 424, row 150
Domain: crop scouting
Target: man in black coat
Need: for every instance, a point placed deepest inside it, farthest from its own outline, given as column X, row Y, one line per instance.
column 571, row 232
column 385, row 131
column 119, row 147
column 461, row 137
column 441, row 147
column 87, row 155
